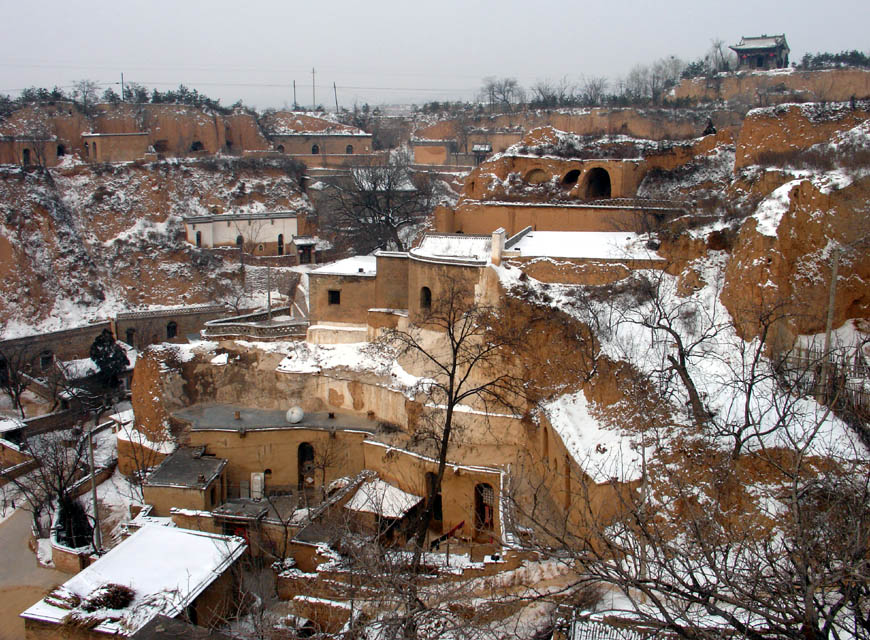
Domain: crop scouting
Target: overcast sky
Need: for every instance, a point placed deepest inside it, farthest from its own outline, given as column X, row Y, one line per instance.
column 386, row 51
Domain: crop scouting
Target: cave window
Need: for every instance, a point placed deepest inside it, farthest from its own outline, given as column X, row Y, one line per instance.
column 171, row 330
column 196, row 146
column 425, row 298
column 484, row 499
column 25, row 156
column 46, row 358
column 349, row 149
column 598, row 184
column 334, row 296
column 280, row 148
column 305, row 462
column 315, row 149
column 239, row 241
column 161, row 146
column 61, row 151
column 280, row 244
column 571, row 178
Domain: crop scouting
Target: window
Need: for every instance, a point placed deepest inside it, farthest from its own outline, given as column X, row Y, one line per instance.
column 46, row 358
column 25, row 156
column 199, row 238
column 239, row 240
column 61, row 151
column 280, row 244
column 196, row 146
column 280, row 148
column 425, row 298
column 171, row 330
column 334, row 296
column 315, row 149
column 349, row 149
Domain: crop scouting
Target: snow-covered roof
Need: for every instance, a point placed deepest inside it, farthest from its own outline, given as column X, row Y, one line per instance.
column 10, row 424
column 167, row 568
column 383, row 499
column 760, row 42
column 187, row 467
column 356, row 266
column 454, row 247
column 603, row 245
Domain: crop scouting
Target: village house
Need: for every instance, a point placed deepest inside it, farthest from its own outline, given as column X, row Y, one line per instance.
column 115, row 147
column 159, row 570
column 316, row 141
column 762, row 52
column 261, row 234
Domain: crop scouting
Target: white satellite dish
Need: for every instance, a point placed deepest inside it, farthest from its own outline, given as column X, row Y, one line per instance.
column 294, row 415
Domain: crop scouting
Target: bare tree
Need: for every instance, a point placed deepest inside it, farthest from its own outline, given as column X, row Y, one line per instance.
column 593, row 90
column 379, row 203
column 84, row 93
column 504, row 92
column 16, row 367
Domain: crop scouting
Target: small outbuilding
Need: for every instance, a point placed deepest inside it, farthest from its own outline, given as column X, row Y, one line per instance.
column 762, row 52
column 187, row 479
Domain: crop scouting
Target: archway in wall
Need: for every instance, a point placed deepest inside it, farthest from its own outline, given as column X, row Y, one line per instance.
column 597, row 184
column 348, row 149
column 61, row 151
column 280, row 244
column 315, row 149
column 199, row 239
column 571, row 178
column 131, row 336
column 537, row 176
column 484, row 501
column 171, row 330
column 425, row 298
column 239, row 240
column 305, row 462
column 25, row 156
column 196, row 146
column 280, row 148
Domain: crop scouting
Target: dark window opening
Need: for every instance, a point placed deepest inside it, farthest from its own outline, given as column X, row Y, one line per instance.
column 280, row 148
column 131, row 335
column 161, row 146
column 95, row 149
column 425, row 298
column 571, row 178
column 305, row 462
column 171, row 330
column 484, row 499
column 280, row 244
column 239, row 240
column 199, row 238
column 61, row 151
column 315, row 149
column 598, row 184
column 46, row 358
column 196, row 146
column 334, row 296
column 349, row 149
column 25, row 156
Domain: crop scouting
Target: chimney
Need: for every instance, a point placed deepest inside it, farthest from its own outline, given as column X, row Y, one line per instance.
column 497, row 246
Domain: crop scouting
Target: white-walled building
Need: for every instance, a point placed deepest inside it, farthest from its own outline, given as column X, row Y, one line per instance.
column 268, row 234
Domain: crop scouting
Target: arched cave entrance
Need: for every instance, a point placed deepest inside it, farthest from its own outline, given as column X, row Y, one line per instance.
column 280, row 244
column 196, row 146
column 131, row 336
column 537, row 176
column 280, row 148
column 171, row 330
column 25, row 156
column 61, row 151
column 571, row 178
column 597, row 184
column 305, row 462
column 348, row 149
column 315, row 149
column 425, row 298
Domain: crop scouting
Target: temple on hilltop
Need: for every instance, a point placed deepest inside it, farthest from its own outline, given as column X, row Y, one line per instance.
column 762, row 52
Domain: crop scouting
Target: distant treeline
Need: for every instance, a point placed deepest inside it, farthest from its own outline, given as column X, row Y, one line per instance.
column 828, row 60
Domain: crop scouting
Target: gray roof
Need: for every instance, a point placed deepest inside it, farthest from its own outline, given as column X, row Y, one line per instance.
column 187, row 467
column 753, row 43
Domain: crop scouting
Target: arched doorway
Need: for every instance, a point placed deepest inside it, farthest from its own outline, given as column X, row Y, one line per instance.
column 171, row 330
column 425, row 298
column 280, row 244
column 131, row 336
column 61, row 151
column 315, row 149
column 25, row 157
column 239, row 241
column 349, row 149
column 280, row 148
column 484, row 500
column 597, row 184
column 199, row 239
column 196, row 145
column 305, row 462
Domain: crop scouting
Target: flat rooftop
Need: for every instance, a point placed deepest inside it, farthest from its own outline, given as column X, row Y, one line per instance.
column 187, row 467
column 602, row 245
column 216, row 416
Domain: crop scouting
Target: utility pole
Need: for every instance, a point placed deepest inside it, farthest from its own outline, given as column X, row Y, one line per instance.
column 826, row 353
column 122, row 86
column 335, row 93
column 98, row 537
column 295, row 104
column 313, row 99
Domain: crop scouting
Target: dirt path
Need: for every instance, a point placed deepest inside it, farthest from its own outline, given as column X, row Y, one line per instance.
column 22, row 580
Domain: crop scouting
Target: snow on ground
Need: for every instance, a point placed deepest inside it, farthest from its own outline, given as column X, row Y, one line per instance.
column 578, row 244
column 772, row 208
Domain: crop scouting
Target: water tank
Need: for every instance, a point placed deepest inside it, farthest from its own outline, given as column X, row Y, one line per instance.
column 294, row 415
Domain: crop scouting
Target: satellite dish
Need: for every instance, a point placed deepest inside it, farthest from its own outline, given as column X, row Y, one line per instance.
column 294, row 415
